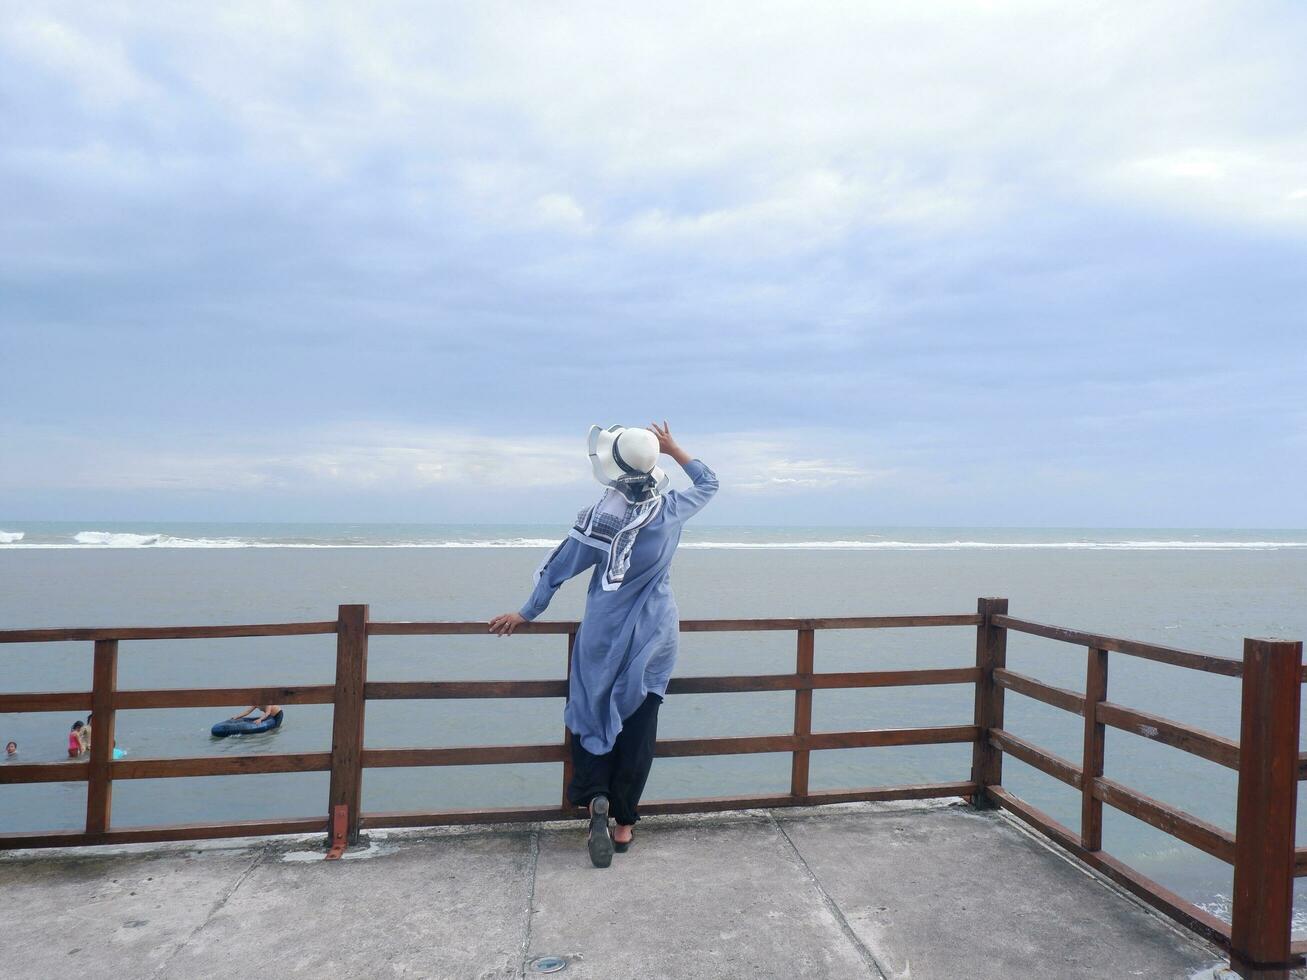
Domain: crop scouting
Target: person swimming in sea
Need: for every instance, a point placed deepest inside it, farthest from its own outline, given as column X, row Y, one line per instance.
column 11, row 750
column 269, row 711
column 625, row 647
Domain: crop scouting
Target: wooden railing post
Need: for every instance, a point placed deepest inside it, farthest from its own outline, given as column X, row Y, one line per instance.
column 567, row 732
column 802, row 713
column 991, row 653
column 99, row 785
column 1260, row 927
column 347, row 717
column 1091, row 807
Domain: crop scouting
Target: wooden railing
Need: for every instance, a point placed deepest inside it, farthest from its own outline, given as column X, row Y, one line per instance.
column 1262, row 848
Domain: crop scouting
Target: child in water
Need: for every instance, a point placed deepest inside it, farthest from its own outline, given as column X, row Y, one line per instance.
column 76, row 740
column 11, row 750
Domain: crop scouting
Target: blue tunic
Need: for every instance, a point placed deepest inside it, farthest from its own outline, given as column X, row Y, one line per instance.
column 626, row 644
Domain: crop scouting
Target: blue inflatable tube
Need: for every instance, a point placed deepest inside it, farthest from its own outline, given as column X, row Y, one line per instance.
column 246, row 726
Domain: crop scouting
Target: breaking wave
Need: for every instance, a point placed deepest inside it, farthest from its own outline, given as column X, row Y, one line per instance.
column 120, row 539
column 9, row 537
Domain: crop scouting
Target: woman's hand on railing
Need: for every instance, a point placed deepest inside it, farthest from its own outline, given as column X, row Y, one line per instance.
column 505, row 623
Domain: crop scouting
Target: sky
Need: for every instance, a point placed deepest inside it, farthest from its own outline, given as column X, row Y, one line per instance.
column 1000, row 263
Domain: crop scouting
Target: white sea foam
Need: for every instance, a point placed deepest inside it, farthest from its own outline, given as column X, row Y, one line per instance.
column 9, row 537
column 122, row 539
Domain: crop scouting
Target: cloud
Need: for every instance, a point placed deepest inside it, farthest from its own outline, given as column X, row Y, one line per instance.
column 386, row 461
column 562, row 211
column 1260, row 184
column 317, row 245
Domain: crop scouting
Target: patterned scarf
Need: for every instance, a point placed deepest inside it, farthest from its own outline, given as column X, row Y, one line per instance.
column 612, row 525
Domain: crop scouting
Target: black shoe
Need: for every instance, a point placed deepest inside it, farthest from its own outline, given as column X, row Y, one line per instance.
column 599, row 842
column 622, row 847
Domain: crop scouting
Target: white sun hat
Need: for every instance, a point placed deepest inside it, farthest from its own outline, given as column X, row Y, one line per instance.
column 622, row 456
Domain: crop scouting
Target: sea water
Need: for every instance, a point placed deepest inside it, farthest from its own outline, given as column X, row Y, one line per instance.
column 1198, row 589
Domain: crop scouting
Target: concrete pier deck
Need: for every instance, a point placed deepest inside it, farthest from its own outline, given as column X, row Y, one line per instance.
column 864, row 890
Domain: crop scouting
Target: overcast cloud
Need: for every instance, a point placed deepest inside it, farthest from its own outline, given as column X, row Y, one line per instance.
column 958, row 263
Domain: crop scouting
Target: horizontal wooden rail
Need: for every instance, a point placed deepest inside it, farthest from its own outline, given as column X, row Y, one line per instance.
column 821, row 682
column 1214, row 748
column 477, row 755
column 1032, row 755
column 439, row 690
column 437, row 818
column 466, row 755
column 46, row 701
column 184, row 697
column 1058, row 697
column 675, row 748
column 450, row 628
column 219, row 765
column 1148, row 651
column 166, row 832
column 441, row 628
column 165, row 632
column 444, row 690
column 826, row 623
column 1300, row 862
column 687, row 625
column 1163, row 899
column 1207, row 837
column 44, row 772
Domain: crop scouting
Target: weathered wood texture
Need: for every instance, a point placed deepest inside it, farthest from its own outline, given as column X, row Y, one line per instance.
column 46, row 701
column 421, row 690
column 165, row 832
column 1203, row 744
column 1205, row 836
column 802, row 712
column 1091, row 767
column 44, row 772
column 567, row 732
column 347, row 721
column 164, row 632
column 187, row 697
column 991, row 656
column 1043, row 760
column 1148, row 651
column 480, row 755
column 687, row 625
column 1058, row 697
column 1265, row 857
column 99, row 788
column 451, row 690
column 220, row 765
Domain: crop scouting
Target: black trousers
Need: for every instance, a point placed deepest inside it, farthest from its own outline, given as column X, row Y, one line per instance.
column 620, row 774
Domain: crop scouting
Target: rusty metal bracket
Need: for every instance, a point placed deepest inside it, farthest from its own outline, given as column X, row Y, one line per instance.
column 339, row 826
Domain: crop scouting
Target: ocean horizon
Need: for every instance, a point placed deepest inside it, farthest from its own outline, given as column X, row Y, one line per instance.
column 16, row 535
